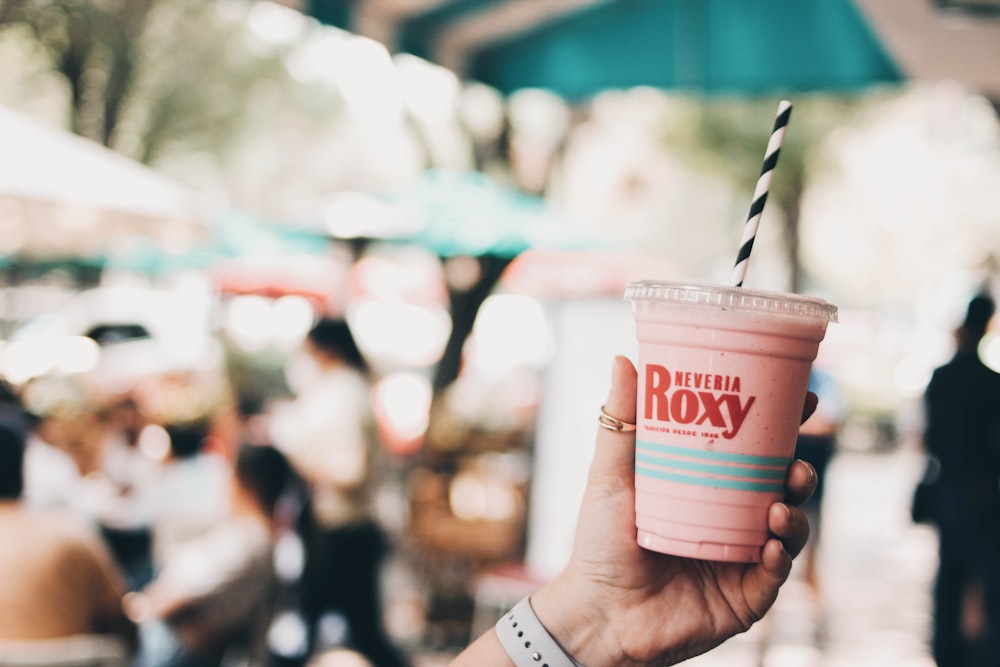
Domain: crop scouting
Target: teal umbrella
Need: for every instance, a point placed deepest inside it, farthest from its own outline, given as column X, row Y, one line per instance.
column 234, row 235
column 456, row 213
column 580, row 47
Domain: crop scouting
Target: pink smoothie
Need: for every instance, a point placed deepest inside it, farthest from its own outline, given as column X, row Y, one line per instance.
column 723, row 374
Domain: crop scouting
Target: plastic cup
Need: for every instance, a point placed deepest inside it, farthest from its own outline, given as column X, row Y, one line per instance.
column 723, row 374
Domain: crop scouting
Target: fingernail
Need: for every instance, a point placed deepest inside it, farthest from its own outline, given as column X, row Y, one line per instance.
column 810, row 471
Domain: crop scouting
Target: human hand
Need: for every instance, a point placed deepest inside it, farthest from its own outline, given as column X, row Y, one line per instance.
column 617, row 604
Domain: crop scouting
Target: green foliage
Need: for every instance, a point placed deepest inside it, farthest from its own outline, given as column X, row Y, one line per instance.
column 727, row 137
column 149, row 77
column 92, row 45
column 27, row 78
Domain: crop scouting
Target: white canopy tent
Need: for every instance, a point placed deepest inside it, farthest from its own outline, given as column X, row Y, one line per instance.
column 62, row 195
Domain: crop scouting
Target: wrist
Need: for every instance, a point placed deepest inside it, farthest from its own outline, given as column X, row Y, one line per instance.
column 577, row 625
column 527, row 642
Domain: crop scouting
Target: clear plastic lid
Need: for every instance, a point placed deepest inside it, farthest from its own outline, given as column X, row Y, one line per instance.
column 737, row 298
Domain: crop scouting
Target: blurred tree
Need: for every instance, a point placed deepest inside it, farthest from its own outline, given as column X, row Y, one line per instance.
column 93, row 47
column 146, row 76
column 465, row 300
column 727, row 137
column 500, row 153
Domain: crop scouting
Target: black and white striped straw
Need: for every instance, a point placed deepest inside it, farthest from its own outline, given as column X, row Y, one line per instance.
column 760, row 192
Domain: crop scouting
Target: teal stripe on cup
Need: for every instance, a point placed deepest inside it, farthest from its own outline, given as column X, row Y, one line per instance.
column 727, row 457
column 710, row 469
column 696, row 466
column 713, row 482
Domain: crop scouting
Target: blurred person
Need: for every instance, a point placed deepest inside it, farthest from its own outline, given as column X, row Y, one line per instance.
column 616, row 604
column 253, row 420
column 817, row 445
column 129, row 475
column 962, row 405
column 57, row 578
column 52, row 476
column 122, row 461
column 190, row 491
column 72, row 417
column 216, row 592
column 328, row 434
column 113, row 492
column 49, row 474
column 12, row 412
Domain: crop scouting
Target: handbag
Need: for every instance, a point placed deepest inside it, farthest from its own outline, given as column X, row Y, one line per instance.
column 924, row 502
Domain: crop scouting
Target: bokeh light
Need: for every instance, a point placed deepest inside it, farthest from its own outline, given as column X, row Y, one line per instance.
column 475, row 496
column 255, row 323
column 393, row 333
column 402, row 402
column 511, row 331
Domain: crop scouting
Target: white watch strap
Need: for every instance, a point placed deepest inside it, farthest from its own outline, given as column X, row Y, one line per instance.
column 526, row 640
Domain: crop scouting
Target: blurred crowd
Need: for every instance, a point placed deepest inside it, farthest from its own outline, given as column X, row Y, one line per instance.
column 171, row 524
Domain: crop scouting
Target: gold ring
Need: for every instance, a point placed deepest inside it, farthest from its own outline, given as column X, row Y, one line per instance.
column 605, row 420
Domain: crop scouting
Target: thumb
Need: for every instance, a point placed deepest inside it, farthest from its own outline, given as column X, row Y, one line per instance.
column 615, row 452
